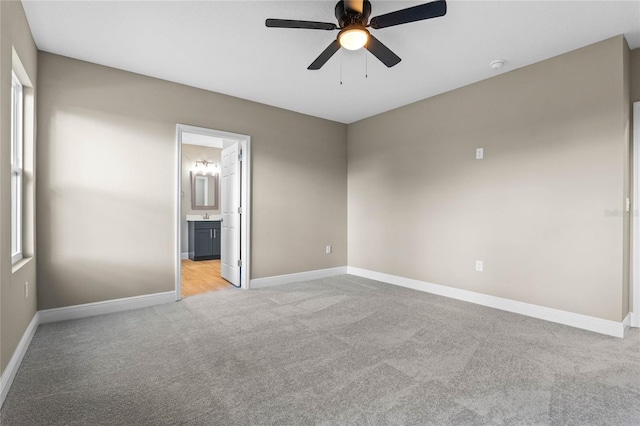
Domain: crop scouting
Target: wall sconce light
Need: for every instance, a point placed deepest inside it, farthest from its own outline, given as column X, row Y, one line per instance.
column 204, row 166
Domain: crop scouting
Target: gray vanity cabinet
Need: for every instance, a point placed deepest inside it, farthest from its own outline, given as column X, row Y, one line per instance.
column 204, row 240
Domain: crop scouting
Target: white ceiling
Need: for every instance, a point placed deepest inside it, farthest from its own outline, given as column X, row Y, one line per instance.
column 225, row 47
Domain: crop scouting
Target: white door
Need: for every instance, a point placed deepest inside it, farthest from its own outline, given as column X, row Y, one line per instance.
column 230, row 208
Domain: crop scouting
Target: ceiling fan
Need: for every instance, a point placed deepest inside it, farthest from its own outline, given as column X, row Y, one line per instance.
column 353, row 21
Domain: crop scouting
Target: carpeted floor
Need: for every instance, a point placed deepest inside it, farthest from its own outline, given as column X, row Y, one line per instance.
column 343, row 350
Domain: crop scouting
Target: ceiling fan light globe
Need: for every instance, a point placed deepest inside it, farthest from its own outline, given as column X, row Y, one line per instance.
column 354, row 38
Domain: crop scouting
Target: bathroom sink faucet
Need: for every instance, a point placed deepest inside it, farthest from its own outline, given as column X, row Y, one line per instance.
column 205, row 216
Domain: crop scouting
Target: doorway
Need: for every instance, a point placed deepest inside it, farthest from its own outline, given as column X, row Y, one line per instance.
column 212, row 209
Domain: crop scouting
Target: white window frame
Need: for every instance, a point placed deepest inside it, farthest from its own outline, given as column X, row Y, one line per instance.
column 17, row 172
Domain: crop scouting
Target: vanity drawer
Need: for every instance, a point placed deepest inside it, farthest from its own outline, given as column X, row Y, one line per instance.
column 210, row 224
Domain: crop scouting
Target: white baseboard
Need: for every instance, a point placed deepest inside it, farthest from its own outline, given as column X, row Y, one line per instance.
column 635, row 319
column 14, row 363
column 626, row 322
column 298, row 277
column 598, row 325
column 184, row 255
column 105, row 307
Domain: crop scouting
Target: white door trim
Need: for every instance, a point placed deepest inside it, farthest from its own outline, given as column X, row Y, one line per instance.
column 244, row 142
column 635, row 303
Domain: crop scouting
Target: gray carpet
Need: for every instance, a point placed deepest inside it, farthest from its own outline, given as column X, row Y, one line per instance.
column 343, row 350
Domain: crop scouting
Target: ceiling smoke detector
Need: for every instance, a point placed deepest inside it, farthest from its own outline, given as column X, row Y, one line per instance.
column 497, row 64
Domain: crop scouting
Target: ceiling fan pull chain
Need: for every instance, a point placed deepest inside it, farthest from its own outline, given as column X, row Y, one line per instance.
column 340, row 67
column 366, row 64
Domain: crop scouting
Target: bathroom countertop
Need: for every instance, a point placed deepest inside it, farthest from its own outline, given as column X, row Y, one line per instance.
column 199, row 218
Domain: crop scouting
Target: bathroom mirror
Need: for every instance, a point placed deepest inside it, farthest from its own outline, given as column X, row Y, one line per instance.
column 204, row 191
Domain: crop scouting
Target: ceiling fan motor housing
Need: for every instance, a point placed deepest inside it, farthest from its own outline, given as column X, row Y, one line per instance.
column 347, row 17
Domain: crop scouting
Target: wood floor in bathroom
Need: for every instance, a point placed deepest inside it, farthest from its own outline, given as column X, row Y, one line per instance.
column 202, row 276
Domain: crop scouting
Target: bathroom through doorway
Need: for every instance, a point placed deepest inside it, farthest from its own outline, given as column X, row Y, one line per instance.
column 212, row 234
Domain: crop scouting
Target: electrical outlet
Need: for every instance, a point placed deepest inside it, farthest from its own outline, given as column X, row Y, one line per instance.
column 26, row 289
column 479, row 153
column 328, row 250
column 479, row 265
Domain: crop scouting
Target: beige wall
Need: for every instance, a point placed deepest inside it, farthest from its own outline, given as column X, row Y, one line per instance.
column 106, row 188
column 191, row 153
column 635, row 75
column 16, row 311
column 534, row 210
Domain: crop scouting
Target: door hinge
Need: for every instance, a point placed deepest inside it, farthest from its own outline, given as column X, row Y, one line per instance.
column 240, row 155
column 240, row 263
column 239, row 210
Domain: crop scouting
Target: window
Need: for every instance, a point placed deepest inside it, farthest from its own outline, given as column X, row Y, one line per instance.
column 16, row 167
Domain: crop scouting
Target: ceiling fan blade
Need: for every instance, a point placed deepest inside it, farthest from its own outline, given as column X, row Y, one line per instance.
column 308, row 25
column 382, row 52
column 411, row 14
column 325, row 56
column 353, row 6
